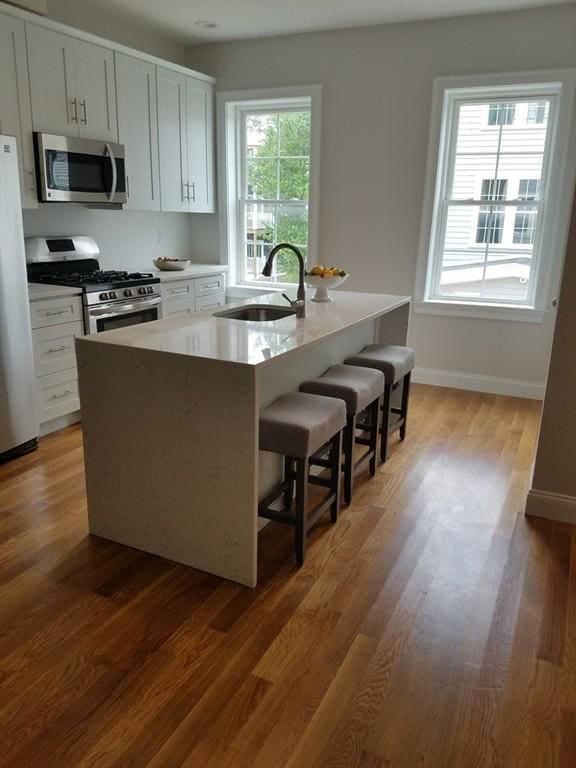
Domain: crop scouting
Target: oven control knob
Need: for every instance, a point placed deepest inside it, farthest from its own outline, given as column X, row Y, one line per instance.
column 150, row 289
column 113, row 295
column 141, row 290
column 128, row 292
column 104, row 296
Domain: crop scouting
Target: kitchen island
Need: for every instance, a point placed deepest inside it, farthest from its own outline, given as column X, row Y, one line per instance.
column 170, row 420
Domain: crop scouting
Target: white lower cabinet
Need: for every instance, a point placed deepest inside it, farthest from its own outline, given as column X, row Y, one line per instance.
column 210, row 302
column 55, row 325
column 54, row 347
column 57, row 394
column 193, row 294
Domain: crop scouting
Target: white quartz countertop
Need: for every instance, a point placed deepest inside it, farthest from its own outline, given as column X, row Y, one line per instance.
column 251, row 343
column 194, row 270
column 37, row 291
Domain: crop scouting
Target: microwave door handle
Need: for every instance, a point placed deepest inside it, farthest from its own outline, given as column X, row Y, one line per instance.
column 110, row 154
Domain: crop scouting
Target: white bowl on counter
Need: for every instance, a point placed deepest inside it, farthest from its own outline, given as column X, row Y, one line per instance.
column 171, row 265
column 323, row 285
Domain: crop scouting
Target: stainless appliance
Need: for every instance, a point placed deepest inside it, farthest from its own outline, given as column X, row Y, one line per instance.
column 79, row 171
column 18, row 421
column 111, row 298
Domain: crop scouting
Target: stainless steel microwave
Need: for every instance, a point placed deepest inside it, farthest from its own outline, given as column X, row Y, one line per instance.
column 79, row 170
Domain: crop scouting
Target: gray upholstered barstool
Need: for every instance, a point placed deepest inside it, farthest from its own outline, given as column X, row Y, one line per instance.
column 298, row 425
column 362, row 389
column 396, row 363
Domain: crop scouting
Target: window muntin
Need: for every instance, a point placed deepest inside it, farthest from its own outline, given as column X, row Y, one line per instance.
column 486, row 253
column 274, row 171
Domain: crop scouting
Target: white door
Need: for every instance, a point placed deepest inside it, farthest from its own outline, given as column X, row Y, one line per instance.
column 199, row 126
column 138, row 131
column 15, row 112
column 55, row 106
column 96, row 92
column 174, row 188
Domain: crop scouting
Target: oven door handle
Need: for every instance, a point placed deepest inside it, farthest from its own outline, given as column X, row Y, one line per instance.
column 110, row 153
column 113, row 310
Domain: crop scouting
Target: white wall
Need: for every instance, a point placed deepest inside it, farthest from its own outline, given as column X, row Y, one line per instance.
column 377, row 88
column 127, row 239
column 89, row 17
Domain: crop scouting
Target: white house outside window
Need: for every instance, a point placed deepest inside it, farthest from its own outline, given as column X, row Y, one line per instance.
column 491, row 234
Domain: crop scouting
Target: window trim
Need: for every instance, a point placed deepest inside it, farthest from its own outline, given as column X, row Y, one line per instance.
column 229, row 105
column 562, row 166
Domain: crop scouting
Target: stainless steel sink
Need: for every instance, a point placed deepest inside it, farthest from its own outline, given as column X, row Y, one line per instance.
column 258, row 313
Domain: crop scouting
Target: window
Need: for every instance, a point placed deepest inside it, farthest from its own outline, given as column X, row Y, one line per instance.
column 495, row 196
column 537, row 113
column 269, row 157
column 501, row 114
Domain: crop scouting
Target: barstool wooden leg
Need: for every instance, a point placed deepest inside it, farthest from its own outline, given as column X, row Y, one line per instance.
column 374, row 417
column 289, row 478
column 349, row 439
column 404, row 404
column 385, row 422
column 300, row 512
column 335, row 474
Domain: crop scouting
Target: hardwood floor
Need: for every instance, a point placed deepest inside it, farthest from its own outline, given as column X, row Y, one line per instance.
column 433, row 626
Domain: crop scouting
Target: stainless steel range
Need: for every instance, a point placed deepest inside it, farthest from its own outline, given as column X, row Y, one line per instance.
column 111, row 298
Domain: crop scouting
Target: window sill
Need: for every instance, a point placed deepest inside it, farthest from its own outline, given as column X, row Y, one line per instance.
column 480, row 311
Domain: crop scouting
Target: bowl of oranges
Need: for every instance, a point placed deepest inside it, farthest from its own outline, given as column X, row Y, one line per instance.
column 324, row 278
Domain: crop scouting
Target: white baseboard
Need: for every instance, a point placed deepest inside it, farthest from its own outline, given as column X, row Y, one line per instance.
column 552, row 506
column 476, row 383
column 59, row 423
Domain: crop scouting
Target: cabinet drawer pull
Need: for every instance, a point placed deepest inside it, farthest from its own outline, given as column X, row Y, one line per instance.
column 62, row 394
column 178, row 291
column 61, row 348
column 57, row 312
column 211, row 285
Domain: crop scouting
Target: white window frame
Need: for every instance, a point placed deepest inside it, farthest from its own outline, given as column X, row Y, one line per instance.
column 560, row 86
column 231, row 105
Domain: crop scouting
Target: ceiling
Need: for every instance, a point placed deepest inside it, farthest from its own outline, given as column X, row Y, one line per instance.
column 238, row 19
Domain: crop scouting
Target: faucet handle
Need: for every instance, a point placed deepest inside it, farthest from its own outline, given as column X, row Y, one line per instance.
column 289, row 300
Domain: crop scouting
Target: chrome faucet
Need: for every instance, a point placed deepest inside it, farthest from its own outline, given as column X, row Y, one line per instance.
column 300, row 303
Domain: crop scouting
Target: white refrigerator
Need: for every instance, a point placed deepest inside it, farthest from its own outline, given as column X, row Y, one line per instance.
column 18, row 419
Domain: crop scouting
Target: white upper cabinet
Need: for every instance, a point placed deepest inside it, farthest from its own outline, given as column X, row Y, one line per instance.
column 96, row 92
column 199, row 122
column 15, row 114
column 185, row 137
column 71, row 85
column 138, row 131
column 52, row 81
column 172, row 140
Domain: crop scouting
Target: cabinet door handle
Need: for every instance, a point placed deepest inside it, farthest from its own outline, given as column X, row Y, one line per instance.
column 185, row 185
column 32, row 180
column 193, row 191
column 62, row 394
column 128, row 186
column 74, row 117
column 85, row 116
column 59, row 349
column 56, row 312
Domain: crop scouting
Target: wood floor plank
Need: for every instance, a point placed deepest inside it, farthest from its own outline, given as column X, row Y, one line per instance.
column 433, row 626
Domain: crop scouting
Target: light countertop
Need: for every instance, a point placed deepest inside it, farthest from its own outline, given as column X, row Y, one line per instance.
column 252, row 343
column 37, row 291
column 194, row 270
